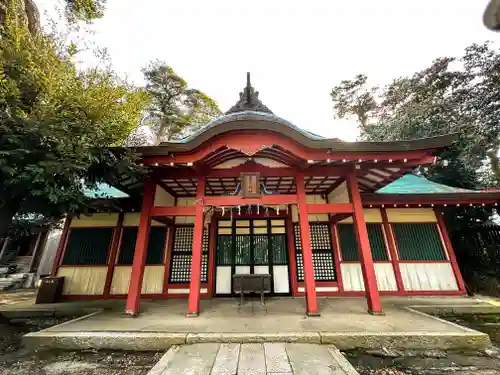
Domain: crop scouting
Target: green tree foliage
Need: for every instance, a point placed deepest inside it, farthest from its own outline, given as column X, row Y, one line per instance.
column 56, row 125
column 453, row 95
column 176, row 110
column 75, row 10
column 85, row 10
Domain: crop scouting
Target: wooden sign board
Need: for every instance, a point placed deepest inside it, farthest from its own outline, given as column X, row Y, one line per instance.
column 250, row 185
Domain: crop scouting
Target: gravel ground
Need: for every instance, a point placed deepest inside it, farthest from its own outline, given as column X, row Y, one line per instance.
column 390, row 362
column 16, row 360
column 433, row 363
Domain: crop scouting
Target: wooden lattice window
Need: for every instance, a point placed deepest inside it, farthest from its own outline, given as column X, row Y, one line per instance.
column 88, row 246
column 322, row 252
column 418, row 242
column 182, row 254
column 156, row 245
column 349, row 245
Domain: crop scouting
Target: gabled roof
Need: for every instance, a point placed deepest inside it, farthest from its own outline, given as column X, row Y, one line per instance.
column 411, row 184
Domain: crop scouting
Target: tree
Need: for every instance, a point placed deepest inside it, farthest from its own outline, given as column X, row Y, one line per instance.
column 453, row 95
column 75, row 10
column 57, row 124
column 176, row 109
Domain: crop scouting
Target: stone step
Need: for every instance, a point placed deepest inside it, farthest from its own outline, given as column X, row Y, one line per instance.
column 256, row 359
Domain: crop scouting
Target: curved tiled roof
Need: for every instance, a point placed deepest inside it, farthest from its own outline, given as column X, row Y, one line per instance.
column 247, row 116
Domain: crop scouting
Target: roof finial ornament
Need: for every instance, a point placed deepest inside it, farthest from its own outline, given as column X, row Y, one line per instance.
column 249, row 88
column 249, row 100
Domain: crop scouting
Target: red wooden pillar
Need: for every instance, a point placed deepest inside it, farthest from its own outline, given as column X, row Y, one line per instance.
column 141, row 247
column 61, row 247
column 115, row 246
column 305, row 234
column 194, row 285
column 212, row 237
column 392, row 250
column 365, row 252
column 291, row 252
column 449, row 249
column 168, row 256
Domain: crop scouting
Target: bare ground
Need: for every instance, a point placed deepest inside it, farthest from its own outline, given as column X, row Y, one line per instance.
column 437, row 362
column 17, row 360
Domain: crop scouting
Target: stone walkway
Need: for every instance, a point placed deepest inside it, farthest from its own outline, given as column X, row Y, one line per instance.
column 253, row 359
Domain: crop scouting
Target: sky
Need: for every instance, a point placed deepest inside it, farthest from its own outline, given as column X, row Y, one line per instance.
column 295, row 50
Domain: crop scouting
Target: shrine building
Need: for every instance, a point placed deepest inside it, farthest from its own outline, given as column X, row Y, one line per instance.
column 251, row 193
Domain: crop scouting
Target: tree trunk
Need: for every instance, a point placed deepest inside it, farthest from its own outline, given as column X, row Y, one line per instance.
column 7, row 212
column 495, row 165
column 28, row 11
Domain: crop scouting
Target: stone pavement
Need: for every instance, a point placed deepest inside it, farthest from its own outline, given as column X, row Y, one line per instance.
column 344, row 322
column 253, row 359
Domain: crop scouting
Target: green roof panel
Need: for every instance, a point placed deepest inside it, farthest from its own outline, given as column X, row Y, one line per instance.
column 411, row 184
column 104, row 191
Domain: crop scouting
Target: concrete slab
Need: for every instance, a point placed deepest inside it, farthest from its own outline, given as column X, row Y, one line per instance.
column 311, row 359
column 276, row 358
column 252, row 360
column 255, row 359
column 191, row 359
column 226, row 361
column 343, row 322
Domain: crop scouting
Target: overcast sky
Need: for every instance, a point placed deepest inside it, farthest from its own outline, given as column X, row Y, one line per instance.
column 295, row 50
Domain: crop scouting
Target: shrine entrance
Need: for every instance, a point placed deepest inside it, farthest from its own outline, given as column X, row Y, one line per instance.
column 251, row 246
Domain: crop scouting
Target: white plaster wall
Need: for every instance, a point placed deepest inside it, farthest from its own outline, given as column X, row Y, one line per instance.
column 428, row 276
column 352, row 277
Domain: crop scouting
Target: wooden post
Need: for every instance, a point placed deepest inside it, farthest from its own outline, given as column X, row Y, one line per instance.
column 365, row 253
column 61, row 248
column 336, row 255
column 115, row 245
column 212, row 238
column 168, row 256
column 141, row 247
column 450, row 251
column 391, row 243
column 291, row 252
column 194, row 285
column 305, row 234
column 4, row 247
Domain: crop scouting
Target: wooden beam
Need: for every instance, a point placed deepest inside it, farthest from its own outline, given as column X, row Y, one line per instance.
column 329, row 208
column 173, row 211
column 338, row 217
column 335, row 185
column 225, row 200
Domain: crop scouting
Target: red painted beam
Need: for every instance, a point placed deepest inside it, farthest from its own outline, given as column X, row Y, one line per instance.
column 251, row 143
column 329, row 208
column 173, row 211
column 225, row 200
